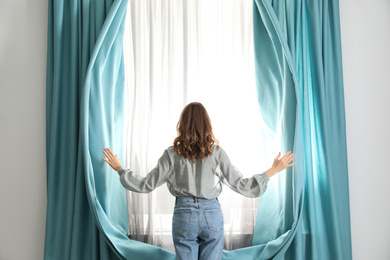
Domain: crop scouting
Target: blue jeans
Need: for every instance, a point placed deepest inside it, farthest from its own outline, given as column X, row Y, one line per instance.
column 197, row 229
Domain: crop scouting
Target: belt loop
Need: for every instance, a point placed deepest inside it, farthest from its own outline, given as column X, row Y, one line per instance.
column 195, row 200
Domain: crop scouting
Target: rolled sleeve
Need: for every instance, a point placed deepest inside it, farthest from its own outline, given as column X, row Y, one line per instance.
column 151, row 181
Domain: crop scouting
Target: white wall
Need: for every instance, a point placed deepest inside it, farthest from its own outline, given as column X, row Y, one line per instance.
column 366, row 55
column 23, row 26
column 365, row 34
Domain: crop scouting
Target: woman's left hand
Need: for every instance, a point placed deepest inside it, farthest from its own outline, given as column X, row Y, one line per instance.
column 280, row 164
column 112, row 159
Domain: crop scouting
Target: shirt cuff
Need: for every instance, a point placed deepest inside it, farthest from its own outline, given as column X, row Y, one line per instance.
column 265, row 177
column 121, row 171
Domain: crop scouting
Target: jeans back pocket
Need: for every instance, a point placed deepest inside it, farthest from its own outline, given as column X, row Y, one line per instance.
column 181, row 220
column 214, row 219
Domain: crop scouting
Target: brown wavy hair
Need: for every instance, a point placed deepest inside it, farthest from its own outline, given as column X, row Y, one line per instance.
column 195, row 134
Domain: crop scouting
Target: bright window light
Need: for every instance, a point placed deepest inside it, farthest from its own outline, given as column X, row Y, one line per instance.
column 177, row 52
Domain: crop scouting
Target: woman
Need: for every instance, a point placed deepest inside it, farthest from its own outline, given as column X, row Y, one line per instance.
column 194, row 169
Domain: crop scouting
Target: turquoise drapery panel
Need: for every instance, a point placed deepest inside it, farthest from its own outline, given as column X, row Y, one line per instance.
column 81, row 34
column 87, row 210
column 301, row 96
column 86, row 213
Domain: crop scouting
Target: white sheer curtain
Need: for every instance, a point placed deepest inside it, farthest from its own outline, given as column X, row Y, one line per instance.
column 176, row 52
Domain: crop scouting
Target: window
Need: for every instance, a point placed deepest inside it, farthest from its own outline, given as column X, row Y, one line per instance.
column 176, row 52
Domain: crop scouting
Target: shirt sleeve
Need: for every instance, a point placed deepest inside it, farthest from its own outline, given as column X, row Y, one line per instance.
column 152, row 180
column 250, row 187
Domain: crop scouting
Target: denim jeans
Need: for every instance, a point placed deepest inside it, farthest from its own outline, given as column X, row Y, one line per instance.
column 197, row 229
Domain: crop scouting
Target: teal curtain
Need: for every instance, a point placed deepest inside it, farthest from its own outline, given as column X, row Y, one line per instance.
column 299, row 79
column 87, row 209
column 301, row 97
column 84, row 64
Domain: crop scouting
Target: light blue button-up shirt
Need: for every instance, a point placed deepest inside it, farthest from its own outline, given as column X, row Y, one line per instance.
column 202, row 178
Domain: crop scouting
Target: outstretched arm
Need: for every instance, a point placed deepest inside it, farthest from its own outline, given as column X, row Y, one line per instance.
column 257, row 184
column 137, row 183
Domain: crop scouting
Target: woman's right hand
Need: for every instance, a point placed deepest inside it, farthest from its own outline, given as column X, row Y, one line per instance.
column 112, row 159
column 280, row 164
